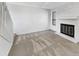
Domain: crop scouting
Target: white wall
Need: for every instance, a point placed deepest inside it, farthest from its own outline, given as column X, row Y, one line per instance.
column 70, row 10
column 28, row 19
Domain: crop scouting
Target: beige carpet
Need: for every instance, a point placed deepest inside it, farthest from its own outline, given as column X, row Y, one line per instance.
column 44, row 43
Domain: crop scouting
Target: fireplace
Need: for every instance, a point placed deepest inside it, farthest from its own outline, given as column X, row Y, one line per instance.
column 67, row 29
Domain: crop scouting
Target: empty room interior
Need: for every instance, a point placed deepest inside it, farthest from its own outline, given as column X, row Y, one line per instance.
column 39, row 28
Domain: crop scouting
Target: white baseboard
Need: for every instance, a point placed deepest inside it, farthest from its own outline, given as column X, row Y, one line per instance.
column 32, row 32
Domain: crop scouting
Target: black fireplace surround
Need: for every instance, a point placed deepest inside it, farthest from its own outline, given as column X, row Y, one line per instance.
column 67, row 29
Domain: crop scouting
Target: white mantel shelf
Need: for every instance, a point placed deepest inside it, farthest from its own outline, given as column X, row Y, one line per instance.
column 68, row 17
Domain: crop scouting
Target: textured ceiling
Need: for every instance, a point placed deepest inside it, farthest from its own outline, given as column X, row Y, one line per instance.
column 45, row 5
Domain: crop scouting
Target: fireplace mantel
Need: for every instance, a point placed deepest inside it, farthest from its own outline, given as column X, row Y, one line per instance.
column 68, row 17
column 68, row 20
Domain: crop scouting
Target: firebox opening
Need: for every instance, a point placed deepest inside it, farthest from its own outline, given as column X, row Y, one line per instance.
column 67, row 29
